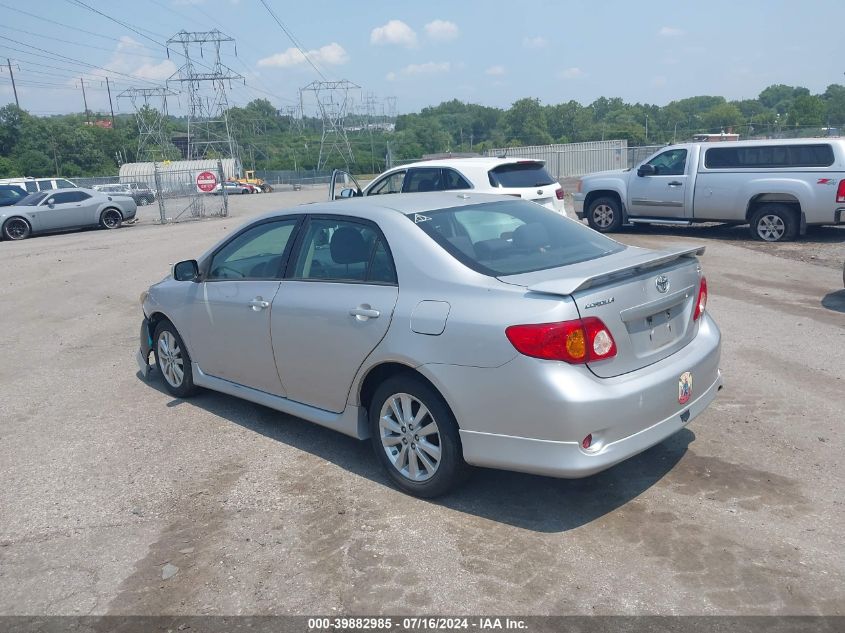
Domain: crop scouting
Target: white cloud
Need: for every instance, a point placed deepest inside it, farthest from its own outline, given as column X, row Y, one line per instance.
column 133, row 58
column 537, row 41
column 441, row 30
column 162, row 70
column 495, row 71
column 571, row 73
column 671, row 31
column 428, row 68
column 394, row 32
column 329, row 55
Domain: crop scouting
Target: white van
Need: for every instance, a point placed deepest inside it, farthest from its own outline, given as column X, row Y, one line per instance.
column 39, row 184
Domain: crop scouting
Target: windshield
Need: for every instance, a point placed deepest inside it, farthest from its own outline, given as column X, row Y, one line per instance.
column 31, row 200
column 512, row 237
column 522, row 174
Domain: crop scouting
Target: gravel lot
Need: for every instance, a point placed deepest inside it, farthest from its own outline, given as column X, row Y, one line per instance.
column 117, row 499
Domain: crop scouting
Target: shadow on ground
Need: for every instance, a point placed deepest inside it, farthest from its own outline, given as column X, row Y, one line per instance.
column 736, row 233
column 834, row 301
column 530, row 502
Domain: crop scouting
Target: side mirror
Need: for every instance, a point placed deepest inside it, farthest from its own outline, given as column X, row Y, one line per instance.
column 51, row 202
column 186, row 271
column 646, row 170
column 347, row 193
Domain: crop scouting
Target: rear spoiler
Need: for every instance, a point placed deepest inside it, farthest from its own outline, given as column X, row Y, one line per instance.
column 571, row 285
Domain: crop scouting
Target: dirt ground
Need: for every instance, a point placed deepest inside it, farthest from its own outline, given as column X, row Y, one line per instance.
column 118, row 499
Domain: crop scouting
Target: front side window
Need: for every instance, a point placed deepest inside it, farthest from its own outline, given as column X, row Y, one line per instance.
column 257, row 253
column 671, row 163
column 61, row 183
column 419, row 180
column 342, row 250
column 61, row 198
column 388, row 184
column 512, row 237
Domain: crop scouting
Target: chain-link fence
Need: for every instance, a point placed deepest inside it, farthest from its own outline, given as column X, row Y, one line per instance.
column 296, row 179
column 191, row 194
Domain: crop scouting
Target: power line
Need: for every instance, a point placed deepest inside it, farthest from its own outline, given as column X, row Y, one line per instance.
column 40, row 17
column 84, row 45
column 116, row 21
column 293, row 39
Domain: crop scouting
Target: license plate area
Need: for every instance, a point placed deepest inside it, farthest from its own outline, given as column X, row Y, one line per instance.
column 661, row 328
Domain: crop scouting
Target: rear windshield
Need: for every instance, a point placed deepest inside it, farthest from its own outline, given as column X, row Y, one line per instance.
column 512, row 237
column 769, row 156
column 31, row 200
column 526, row 174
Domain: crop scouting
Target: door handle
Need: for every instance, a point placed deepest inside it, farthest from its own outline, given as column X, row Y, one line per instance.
column 258, row 304
column 364, row 312
column 676, row 183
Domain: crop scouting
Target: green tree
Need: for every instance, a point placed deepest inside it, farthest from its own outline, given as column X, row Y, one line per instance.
column 526, row 123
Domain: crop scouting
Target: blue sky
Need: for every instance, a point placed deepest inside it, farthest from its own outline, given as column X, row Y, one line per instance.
column 422, row 53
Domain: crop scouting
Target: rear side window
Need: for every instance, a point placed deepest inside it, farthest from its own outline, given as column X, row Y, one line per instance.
column 453, row 180
column 30, row 186
column 512, row 237
column 61, row 183
column 426, row 179
column 45, row 185
column 769, row 156
column 523, row 174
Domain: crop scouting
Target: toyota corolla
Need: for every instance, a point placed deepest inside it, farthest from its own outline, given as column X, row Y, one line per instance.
column 449, row 329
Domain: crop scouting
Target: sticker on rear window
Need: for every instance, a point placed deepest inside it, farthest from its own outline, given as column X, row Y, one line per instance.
column 421, row 218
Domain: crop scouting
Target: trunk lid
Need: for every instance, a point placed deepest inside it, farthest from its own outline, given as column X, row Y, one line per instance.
column 645, row 298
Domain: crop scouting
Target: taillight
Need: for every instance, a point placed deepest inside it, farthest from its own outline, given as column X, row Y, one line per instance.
column 701, row 301
column 559, row 193
column 579, row 341
column 840, row 191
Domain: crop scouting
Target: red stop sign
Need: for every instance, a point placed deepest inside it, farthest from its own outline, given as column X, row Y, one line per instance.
column 206, row 181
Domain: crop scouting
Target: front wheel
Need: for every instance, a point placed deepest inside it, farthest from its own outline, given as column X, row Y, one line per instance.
column 16, row 229
column 415, row 437
column 605, row 215
column 173, row 360
column 774, row 223
column 111, row 219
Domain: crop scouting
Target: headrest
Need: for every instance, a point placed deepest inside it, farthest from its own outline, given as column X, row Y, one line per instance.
column 533, row 235
column 348, row 246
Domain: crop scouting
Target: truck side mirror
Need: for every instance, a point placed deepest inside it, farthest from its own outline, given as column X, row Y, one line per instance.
column 646, row 170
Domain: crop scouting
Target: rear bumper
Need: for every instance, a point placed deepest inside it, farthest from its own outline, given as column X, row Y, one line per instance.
column 535, row 417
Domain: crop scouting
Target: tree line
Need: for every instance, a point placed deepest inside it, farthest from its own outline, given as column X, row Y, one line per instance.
column 68, row 145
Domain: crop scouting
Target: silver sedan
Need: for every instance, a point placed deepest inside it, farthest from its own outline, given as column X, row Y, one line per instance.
column 449, row 329
column 64, row 209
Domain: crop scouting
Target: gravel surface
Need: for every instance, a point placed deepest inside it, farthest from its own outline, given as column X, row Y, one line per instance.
column 118, row 499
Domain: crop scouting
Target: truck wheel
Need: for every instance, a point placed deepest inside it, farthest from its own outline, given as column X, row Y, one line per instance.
column 774, row 223
column 605, row 215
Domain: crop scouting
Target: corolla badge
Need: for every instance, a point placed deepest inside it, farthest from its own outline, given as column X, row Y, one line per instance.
column 662, row 283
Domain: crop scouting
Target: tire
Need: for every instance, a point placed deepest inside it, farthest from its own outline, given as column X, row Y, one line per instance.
column 605, row 215
column 16, row 229
column 111, row 218
column 173, row 361
column 774, row 223
column 411, row 463
column 243, row 191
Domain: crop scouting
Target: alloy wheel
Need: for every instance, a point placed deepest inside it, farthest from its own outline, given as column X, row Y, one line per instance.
column 170, row 359
column 771, row 228
column 603, row 216
column 16, row 229
column 410, row 437
column 111, row 219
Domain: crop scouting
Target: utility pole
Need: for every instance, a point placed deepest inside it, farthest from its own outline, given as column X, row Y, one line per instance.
column 85, row 100
column 111, row 107
column 14, row 89
column 646, row 128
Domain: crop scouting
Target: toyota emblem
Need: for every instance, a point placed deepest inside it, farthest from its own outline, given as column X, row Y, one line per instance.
column 539, row 192
column 662, row 283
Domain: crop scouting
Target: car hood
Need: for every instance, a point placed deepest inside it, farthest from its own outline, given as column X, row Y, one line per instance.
column 606, row 174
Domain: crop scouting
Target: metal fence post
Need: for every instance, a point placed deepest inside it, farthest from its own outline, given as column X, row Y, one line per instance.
column 222, row 178
column 159, row 194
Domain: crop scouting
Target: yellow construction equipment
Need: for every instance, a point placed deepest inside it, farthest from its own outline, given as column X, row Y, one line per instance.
column 250, row 179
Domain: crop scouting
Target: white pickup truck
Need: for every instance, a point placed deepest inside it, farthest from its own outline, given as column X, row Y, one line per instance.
column 777, row 187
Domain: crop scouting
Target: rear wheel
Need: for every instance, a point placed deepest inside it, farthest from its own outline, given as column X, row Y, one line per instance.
column 173, row 360
column 111, row 219
column 415, row 437
column 605, row 215
column 774, row 223
column 16, row 229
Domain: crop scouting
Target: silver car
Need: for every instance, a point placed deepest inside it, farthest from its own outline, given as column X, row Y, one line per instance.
column 450, row 329
column 64, row 209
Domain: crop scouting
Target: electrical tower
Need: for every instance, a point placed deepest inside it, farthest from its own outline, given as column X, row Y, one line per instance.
column 333, row 103
column 150, row 105
column 208, row 123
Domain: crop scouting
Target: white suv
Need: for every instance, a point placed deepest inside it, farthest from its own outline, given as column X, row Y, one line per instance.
column 519, row 177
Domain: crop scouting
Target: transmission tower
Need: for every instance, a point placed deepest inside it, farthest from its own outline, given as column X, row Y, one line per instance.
column 150, row 105
column 208, row 123
column 333, row 104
